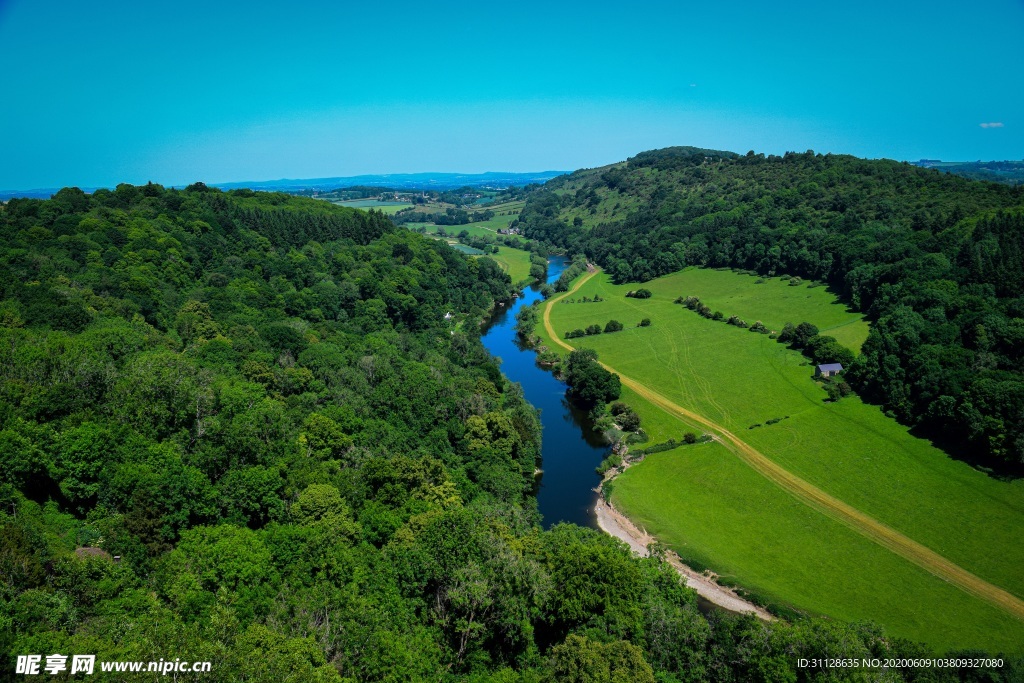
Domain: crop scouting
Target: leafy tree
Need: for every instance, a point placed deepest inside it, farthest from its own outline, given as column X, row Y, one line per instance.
column 581, row 660
column 590, row 383
column 82, row 455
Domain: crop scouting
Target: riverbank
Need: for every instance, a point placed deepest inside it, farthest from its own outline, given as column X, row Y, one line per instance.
column 616, row 524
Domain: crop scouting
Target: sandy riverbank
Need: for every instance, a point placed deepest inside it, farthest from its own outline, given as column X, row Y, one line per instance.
column 614, row 523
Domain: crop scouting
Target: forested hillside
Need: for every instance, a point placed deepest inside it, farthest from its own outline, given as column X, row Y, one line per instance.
column 935, row 260
column 239, row 427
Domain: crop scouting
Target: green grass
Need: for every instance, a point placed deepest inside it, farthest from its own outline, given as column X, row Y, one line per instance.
column 515, row 262
column 466, row 249
column 851, row 450
column 774, row 302
column 389, row 208
column 480, row 228
column 474, row 229
column 708, row 506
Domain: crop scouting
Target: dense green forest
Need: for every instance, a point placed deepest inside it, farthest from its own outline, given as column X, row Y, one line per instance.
column 935, row 260
column 240, row 427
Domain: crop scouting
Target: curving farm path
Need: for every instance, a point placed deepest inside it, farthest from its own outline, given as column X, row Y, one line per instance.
column 811, row 495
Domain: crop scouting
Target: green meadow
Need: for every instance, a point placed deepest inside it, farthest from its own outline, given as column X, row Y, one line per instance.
column 474, row 229
column 389, row 208
column 715, row 511
column 507, row 212
column 740, row 379
column 515, row 262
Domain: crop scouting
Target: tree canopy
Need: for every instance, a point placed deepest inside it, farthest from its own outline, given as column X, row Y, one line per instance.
column 936, row 261
column 237, row 427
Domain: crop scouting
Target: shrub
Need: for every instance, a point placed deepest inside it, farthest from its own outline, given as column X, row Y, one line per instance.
column 690, row 302
column 612, row 326
column 630, row 421
column 608, row 463
column 646, row 322
column 618, row 408
column 639, row 436
column 641, row 293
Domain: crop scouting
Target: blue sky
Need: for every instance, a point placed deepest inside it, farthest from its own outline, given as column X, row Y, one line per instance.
column 106, row 92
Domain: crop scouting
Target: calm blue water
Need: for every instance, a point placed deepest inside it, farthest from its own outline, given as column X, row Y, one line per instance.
column 570, row 450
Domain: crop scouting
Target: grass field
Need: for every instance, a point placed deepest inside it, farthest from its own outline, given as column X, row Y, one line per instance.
column 707, row 505
column 389, row 208
column 479, row 228
column 849, row 450
column 474, row 229
column 515, row 262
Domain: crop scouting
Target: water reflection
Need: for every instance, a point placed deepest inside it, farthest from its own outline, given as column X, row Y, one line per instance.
column 571, row 449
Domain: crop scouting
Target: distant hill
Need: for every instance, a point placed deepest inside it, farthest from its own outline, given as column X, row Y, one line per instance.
column 1009, row 172
column 403, row 181
column 395, row 181
column 936, row 261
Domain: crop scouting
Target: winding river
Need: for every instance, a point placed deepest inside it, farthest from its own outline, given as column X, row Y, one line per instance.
column 570, row 449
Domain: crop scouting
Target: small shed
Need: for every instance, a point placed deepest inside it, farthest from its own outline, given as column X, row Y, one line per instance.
column 828, row 370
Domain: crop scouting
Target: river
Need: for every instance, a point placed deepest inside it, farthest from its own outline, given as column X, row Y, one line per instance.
column 570, row 450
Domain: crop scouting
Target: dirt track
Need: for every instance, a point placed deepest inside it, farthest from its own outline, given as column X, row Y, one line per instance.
column 809, row 494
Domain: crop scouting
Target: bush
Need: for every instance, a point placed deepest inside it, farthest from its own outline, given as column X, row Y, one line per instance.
column 618, row 408
column 690, row 302
column 608, row 463
column 630, row 422
column 646, row 322
column 639, row 294
column 612, row 326
column 594, row 329
column 639, row 436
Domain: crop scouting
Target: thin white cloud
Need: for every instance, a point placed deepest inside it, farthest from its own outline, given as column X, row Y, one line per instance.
column 994, row 124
